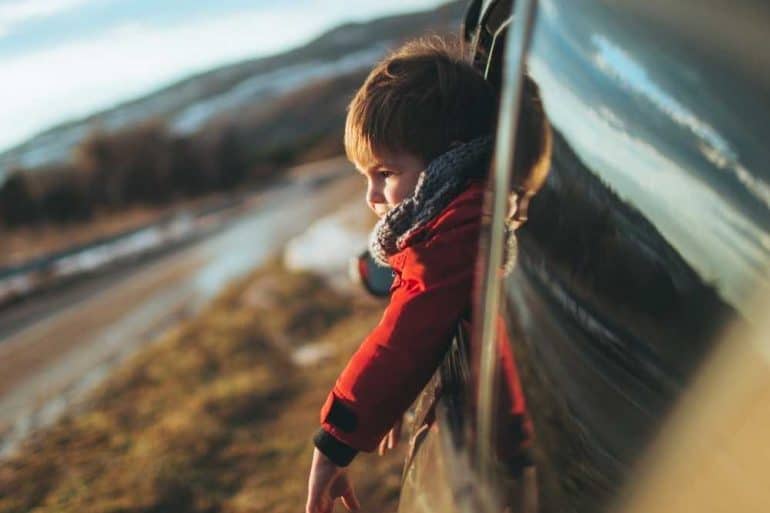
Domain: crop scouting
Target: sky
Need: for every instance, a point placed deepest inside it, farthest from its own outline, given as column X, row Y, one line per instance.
column 64, row 59
column 619, row 113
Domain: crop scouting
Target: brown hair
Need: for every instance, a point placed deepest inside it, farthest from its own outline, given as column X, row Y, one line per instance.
column 420, row 99
column 424, row 96
column 534, row 140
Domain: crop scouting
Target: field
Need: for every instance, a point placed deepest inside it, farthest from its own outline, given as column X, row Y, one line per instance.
column 216, row 415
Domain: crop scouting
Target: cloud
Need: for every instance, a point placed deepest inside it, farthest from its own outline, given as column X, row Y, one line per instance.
column 618, row 63
column 18, row 12
column 81, row 77
column 718, row 240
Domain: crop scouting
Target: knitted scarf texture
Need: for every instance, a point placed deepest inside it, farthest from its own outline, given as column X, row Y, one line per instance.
column 438, row 184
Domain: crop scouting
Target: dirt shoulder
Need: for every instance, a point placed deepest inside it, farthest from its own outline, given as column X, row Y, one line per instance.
column 212, row 416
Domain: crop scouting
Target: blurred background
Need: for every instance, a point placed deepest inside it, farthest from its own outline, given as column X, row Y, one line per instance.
column 114, row 106
column 176, row 220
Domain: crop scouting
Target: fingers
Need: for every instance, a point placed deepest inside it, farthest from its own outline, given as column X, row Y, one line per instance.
column 395, row 435
column 351, row 504
column 343, row 488
column 349, row 499
column 383, row 447
column 390, row 441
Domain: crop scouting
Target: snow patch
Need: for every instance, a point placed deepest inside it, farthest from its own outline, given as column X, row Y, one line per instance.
column 267, row 85
column 328, row 244
column 311, row 354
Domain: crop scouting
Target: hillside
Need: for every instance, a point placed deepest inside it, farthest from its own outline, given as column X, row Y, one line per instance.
column 234, row 127
column 187, row 104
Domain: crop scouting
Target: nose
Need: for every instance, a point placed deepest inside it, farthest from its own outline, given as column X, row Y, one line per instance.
column 374, row 195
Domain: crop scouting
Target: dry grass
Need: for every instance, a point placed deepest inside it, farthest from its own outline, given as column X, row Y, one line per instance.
column 211, row 417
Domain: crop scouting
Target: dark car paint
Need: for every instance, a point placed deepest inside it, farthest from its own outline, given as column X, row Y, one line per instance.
column 651, row 236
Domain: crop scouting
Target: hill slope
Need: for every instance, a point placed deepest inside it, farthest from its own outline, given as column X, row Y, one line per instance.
column 189, row 103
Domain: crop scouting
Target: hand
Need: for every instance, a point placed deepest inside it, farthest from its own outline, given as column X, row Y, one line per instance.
column 327, row 481
column 390, row 440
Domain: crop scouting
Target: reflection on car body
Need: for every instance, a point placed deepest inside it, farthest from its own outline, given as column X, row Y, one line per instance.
column 649, row 242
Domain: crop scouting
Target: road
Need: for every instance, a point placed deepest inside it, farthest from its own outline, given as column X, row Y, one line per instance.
column 53, row 350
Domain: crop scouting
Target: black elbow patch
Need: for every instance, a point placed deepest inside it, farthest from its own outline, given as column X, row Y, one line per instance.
column 341, row 416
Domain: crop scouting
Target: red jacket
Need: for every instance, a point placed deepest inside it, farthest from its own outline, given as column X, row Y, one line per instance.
column 430, row 294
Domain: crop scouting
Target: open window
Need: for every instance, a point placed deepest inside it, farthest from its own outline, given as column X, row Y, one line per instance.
column 461, row 457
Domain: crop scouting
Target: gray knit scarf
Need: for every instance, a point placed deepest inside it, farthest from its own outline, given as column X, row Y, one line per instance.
column 445, row 177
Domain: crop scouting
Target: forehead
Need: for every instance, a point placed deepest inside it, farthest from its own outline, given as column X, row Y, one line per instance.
column 373, row 158
column 398, row 160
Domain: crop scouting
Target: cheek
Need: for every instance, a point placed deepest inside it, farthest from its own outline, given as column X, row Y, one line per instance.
column 393, row 192
column 403, row 188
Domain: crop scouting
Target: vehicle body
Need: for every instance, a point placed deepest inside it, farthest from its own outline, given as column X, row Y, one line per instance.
column 647, row 248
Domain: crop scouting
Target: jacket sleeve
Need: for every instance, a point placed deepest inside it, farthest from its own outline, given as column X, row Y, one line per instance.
column 399, row 356
column 514, row 431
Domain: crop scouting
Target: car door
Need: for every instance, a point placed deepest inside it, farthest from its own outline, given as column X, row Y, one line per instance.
column 647, row 245
column 651, row 237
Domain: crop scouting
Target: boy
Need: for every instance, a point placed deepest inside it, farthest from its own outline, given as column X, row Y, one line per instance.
column 419, row 131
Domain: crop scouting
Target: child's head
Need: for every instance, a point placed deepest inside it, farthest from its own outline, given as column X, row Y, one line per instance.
column 413, row 106
column 418, row 100
column 417, row 103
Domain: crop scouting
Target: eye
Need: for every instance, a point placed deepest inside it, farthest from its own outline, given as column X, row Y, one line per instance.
column 385, row 173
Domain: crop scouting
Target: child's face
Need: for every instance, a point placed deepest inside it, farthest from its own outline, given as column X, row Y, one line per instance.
column 390, row 178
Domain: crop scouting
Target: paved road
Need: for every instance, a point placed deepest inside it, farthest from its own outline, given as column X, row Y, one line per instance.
column 61, row 345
